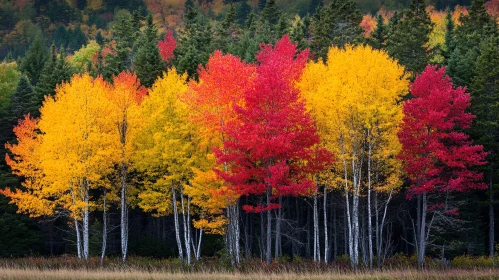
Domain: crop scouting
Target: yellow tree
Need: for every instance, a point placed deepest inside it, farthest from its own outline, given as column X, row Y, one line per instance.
column 354, row 97
column 124, row 98
column 71, row 155
column 168, row 151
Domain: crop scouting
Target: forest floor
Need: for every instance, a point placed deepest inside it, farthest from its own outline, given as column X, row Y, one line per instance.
column 107, row 274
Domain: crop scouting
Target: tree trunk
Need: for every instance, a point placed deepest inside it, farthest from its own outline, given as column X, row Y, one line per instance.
column 326, row 239
column 491, row 215
column 104, row 229
column 422, row 234
column 77, row 228
column 185, row 223
column 124, row 214
column 278, row 231
column 85, row 222
column 268, row 252
column 177, row 227
column 369, row 222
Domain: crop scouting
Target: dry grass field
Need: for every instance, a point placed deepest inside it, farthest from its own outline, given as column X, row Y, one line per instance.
column 118, row 274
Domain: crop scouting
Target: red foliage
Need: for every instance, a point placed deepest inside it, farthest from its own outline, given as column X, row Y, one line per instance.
column 436, row 153
column 492, row 7
column 167, row 46
column 273, row 140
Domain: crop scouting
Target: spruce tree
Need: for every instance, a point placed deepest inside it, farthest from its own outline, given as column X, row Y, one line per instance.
column 33, row 62
column 409, row 36
column 282, row 27
column 485, row 105
column 243, row 12
column 377, row 40
column 195, row 43
column 337, row 23
column 449, row 35
column 270, row 13
column 148, row 63
column 23, row 100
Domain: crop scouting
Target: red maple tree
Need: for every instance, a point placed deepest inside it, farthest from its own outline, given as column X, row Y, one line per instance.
column 167, row 46
column 272, row 142
column 437, row 154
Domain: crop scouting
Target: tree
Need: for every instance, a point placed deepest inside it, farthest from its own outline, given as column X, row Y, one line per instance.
column 124, row 97
column 83, row 57
column 357, row 118
column 168, row 151
column 23, row 100
column 377, row 40
column 270, row 144
column 438, row 156
column 167, row 47
column 195, row 44
column 337, row 23
column 55, row 71
column 409, row 36
column 148, row 63
column 222, row 83
column 35, row 58
column 485, row 102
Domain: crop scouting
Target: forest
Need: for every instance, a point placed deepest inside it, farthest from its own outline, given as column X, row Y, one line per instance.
column 336, row 133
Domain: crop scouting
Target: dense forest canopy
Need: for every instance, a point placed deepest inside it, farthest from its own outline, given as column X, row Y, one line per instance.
column 347, row 131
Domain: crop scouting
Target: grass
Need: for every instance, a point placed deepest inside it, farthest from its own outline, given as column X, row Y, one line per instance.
column 115, row 274
column 68, row 267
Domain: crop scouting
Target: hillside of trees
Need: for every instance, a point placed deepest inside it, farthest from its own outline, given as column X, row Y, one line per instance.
column 330, row 131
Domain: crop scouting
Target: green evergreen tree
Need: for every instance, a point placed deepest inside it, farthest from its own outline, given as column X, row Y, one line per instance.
column 261, row 4
column 195, row 43
column 475, row 27
column 282, row 27
column 124, row 35
column 485, row 106
column 35, row 58
column 23, row 100
column 55, row 71
column 450, row 44
column 409, row 36
column 337, row 23
column 243, row 12
column 228, row 31
column 298, row 34
column 377, row 40
column 148, row 63
column 270, row 13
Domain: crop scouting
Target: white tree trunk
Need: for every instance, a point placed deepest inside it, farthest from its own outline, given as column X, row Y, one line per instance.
column 369, row 215
column 104, row 229
column 317, row 257
column 77, row 227
column 85, row 221
column 326, row 239
column 124, row 214
column 177, row 227
column 185, row 219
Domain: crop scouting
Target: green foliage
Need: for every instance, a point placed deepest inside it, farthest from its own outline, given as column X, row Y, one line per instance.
column 377, row 40
column 337, row 23
column 148, row 63
column 195, row 44
column 23, row 100
column 34, row 61
column 408, row 37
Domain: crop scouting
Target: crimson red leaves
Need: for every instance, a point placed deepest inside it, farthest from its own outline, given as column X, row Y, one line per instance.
column 438, row 155
column 271, row 142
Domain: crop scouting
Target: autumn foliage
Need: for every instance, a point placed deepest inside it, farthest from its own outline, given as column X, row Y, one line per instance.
column 437, row 154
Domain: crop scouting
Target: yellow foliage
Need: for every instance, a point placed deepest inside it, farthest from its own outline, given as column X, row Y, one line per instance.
column 354, row 98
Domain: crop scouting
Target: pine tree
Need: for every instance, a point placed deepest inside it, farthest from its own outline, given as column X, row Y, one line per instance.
column 243, row 12
column 377, row 40
column 449, row 35
column 124, row 37
column 195, row 44
column 270, row 13
column 34, row 61
column 409, row 36
column 148, row 63
column 56, row 70
column 485, row 105
column 282, row 27
column 24, row 100
column 337, row 23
